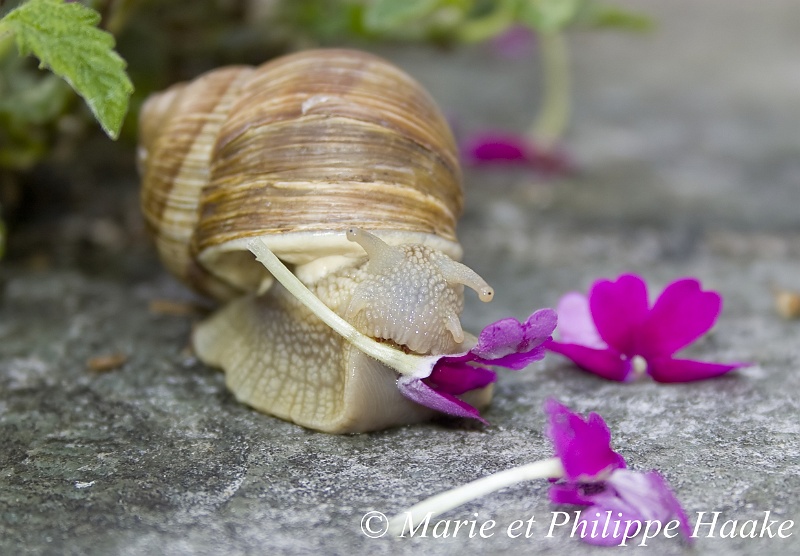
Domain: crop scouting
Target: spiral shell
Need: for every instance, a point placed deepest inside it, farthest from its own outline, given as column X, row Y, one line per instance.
column 297, row 149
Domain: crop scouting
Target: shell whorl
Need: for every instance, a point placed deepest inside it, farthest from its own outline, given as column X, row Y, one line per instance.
column 298, row 149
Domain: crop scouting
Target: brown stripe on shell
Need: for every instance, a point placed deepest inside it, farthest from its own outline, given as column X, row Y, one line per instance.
column 347, row 84
column 324, row 140
column 317, row 141
column 322, row 174
column 178, row 130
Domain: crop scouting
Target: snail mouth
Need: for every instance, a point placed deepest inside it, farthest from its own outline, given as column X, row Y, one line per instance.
column 402, row 347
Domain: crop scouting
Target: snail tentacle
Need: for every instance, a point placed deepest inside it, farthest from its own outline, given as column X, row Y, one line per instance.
column 381, row 255
column 457, row 273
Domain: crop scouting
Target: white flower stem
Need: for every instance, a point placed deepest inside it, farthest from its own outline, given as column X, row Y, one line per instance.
column 404, row 363
column 436, row 505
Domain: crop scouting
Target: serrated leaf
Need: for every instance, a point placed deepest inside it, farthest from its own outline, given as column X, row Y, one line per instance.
column 389, row 14
column 65, row 38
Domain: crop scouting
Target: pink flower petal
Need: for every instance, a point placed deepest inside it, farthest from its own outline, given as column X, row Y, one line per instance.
column 457, row 378
column 499, row 339
column 625, row 495
column 493, row 147
column 510, row 337
column 619, row 309
column 644, row 494
column 502, row 147
column 417, row 391
column 681, row 314
column 575, row 323
column 671, row 504
column 583, row 445
column 664, row 369
column 517, row 361
column 604, row 363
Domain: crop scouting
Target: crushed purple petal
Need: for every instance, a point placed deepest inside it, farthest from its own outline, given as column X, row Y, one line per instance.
column 625, row 496
column 416, row 390
column 511, row 337
column 458, row 378
column 506, row 343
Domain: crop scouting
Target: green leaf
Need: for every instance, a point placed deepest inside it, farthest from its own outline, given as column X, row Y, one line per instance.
column 612, row 17
column 65, row 38
column 548, row 15
column 382, row 15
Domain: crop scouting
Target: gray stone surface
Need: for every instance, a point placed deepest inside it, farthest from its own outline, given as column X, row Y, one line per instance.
column 690, row 165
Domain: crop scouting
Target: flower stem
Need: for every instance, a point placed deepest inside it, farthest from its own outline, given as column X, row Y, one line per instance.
column 436, row 505
column 488, row 26
column 553, row 116
column 404, row 363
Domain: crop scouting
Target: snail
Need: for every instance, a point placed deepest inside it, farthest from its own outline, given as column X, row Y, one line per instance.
column 342, row 166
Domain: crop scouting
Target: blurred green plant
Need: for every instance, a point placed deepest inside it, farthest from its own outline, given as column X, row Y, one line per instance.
column 469, row 21
column 442, row 21
column 452, row 22
column 155, row 37
column 163, row 42
column 65, row 38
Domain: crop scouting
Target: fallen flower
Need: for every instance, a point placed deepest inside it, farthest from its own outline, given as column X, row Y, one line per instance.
column 506, row 343
column 596, row 476
column 500, row 147
column 615, row 334
column 592, row 474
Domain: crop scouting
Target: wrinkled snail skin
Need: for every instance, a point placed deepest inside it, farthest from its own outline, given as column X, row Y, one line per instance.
column 344, row 168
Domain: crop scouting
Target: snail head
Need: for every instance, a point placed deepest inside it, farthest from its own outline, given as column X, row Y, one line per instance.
column 412, row 295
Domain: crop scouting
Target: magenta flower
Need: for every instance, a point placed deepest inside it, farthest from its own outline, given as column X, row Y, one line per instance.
column 591, row 474
column 505, row 343
column 502, row 147
column 615, row 334
column 595, row 476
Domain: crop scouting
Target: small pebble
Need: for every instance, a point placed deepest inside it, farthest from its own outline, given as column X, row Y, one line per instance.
column 787, row 303
column 105, row 363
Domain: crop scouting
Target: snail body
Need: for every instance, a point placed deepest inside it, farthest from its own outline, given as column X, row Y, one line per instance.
column 304, row 154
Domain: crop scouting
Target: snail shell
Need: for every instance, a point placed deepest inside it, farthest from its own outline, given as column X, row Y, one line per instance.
column 295, row 153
